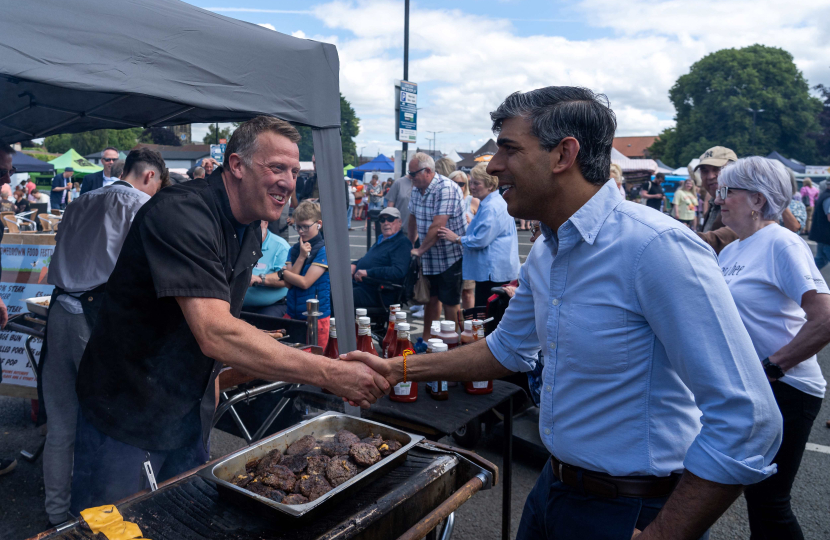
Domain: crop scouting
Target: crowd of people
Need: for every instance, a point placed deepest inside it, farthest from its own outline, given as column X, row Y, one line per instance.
column 648, row 425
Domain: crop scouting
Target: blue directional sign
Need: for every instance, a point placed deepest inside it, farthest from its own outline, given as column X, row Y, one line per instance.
column 217, row 152
column 407, row 112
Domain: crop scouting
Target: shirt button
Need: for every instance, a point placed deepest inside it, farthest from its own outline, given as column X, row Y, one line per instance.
column 547, row 431
column 552, row 344
column 234, row 236
column 547, row 388
column 253, row 253
column 555, row 302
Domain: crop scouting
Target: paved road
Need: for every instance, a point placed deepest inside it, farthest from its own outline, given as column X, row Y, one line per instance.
column 21, row 493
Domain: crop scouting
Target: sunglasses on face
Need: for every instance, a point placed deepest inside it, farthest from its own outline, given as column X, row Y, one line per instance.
column 461, row 184
column 723, row 191
column 413, row 173
column 386, row 219
column 7, row 172
column 109, row 159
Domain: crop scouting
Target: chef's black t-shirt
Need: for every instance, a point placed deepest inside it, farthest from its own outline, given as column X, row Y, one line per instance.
column 143, row 379
column 653, row 189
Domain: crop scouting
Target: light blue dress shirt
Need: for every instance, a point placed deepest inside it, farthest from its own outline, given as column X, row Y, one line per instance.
column 491, row 245
column 648, row 367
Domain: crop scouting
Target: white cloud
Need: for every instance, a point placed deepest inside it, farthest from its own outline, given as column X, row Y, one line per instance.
column 267, row 25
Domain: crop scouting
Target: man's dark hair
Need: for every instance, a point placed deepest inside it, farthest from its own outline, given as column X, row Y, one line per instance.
column 659, row 176
column 139, row 160
column 109, row 148
column 243, row 140
column 556, row 112
column 117, row 169
column 8, row 150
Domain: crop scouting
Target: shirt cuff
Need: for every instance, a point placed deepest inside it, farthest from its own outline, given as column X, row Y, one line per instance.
column 710, row 464
column 507, row 356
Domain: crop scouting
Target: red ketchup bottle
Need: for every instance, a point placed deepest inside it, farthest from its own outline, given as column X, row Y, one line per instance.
column 448, row 334
column 358, row 313
column 404, row 392
column 391, row 336
column 332, row 350
column 437, row 390
column 478, row 387
column 364, row 336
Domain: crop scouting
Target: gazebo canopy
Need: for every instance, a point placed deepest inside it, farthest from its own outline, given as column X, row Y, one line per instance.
column 151, row 63
column 379, row 164
column 75, row 160
column 26, row 163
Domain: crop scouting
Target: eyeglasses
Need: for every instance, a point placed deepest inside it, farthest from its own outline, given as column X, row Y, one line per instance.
column 387, row 219
column 412, row 174
column 303, row 228
column 461, row 184
column 9, row 172
column 723, row 191
column 109, row 159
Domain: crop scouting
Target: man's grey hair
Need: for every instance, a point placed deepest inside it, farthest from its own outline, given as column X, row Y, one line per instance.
column 557, row 112
column 424, row 161
column 244, row 138
column 7, row 150
column 199, row 172
column 761, row 175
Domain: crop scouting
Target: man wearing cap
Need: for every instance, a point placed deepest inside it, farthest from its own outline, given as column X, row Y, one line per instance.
column 61, row 184
column 387, row 260
column 714, row 232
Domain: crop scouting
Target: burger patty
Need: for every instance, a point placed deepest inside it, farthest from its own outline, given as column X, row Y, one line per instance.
column 346, row 437
column 302, row 446
column 364, row 454
column 317, row 464
column 334, row 448
column 281, row 478
column 389, row 447
column 313, row 486
column 374, row 440
column 296, row 464
column 340, row 469
column 295, row 498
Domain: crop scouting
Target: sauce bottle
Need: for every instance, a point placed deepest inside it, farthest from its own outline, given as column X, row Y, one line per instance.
column 332, row 350
column 391, row 336
column 431, row 343
column 434, row 328
column 364, row 336
column 478, row 387
column 467, row 335
column 358, row 313
column 448, row 334
column 437, row 390
column 404, row 392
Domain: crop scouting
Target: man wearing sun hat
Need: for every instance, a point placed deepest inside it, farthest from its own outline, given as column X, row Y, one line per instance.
column 387, row 260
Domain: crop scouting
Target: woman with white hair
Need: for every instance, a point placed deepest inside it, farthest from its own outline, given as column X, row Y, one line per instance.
column 785, row 306
column 617, row 175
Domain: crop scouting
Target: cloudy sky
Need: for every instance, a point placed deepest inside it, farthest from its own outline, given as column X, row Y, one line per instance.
column 467, row 55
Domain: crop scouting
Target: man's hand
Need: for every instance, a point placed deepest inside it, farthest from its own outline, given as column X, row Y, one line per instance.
column 357, row 383
column 446, row 234
column 353, row 269
column 359, row 275
column 379, row 365
column 254, row 280
column 415, row 252
column 4, row 315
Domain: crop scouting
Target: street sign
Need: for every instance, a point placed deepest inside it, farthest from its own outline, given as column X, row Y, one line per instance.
column 406, row 109
column 217, row 152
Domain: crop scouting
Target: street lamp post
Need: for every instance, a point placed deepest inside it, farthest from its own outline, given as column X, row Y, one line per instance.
column 434, row 140
column 405, row 146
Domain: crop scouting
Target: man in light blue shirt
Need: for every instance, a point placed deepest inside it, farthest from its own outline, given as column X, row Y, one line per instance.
column 266, row 296
column 654, row 419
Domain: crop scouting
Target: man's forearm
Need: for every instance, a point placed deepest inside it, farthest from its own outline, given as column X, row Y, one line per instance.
column 429, row 240
column 691, row 509
column 473, row 362
column 411, row 229
column 811, row 339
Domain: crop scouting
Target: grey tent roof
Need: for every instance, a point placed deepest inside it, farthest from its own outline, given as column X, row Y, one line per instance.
column 792, row 164
column 153, row 62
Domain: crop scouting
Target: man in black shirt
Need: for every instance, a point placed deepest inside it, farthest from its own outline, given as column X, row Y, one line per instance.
column 170, row 321
column 652, row 191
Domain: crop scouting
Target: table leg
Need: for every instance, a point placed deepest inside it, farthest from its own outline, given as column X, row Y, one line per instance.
column 508, row 470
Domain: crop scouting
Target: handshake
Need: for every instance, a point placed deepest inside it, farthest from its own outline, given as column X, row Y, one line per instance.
column 361, row 378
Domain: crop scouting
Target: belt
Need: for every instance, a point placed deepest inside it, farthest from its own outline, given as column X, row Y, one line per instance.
column 607, row 486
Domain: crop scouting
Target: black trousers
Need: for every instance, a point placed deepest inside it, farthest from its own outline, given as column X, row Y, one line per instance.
column 768, row 502
column 483, row 291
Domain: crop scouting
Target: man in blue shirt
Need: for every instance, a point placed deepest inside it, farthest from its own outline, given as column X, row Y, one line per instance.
column 266, row 295
column 650, row 428
column 61, row 184
column 387, row 260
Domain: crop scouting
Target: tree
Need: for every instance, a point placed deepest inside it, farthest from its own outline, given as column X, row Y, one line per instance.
column 713, row 104
column 89, row 142
column 211, row 138
column 160, row 135
column 58, row 144
column 349, row 129
column 823, row 136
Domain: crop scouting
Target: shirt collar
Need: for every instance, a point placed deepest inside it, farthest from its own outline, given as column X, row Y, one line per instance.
column 382, row 239
column 589, row 218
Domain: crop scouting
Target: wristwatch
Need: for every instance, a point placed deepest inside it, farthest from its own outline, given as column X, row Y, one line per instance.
column 773, row 371
column 280, row 273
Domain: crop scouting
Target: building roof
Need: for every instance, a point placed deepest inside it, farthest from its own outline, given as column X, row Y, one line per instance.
column 634, row 147
column 186, row 151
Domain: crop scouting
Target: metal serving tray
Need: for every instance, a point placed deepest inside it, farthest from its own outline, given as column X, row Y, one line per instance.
column 38, row 305
column 321, row 427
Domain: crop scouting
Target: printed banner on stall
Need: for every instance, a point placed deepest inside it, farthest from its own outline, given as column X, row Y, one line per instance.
column 25, row 267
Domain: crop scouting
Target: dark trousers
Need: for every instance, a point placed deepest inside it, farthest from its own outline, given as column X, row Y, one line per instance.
column 483, row 291
column 364, row 297
column 768, row 502
column 554, row 511
column 106, row 470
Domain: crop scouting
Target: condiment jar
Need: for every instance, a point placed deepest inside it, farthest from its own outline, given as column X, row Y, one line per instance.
column 404, row 392
column 448, row 334
column 437, row 390
column 478, row 387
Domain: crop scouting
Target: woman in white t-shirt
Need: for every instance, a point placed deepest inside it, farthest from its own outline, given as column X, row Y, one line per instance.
column 785, row 306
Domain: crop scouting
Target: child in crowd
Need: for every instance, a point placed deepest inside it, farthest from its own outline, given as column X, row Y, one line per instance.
column 306, row 272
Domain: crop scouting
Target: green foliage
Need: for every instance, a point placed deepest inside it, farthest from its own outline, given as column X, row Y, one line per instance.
column 713, row 99
column 42, row 157
column 211, row 138
column 90, row 142
column 823, row 136
column 349, row 129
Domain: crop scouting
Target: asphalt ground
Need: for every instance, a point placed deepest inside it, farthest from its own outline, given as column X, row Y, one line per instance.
column 21, row 492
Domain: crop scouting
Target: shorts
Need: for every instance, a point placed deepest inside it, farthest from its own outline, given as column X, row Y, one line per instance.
column 468, row 284
column 447, row 285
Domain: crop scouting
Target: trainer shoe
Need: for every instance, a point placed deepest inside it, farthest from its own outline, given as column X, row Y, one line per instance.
column 7, row 466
